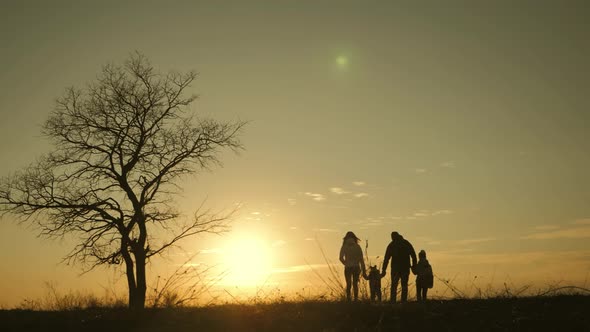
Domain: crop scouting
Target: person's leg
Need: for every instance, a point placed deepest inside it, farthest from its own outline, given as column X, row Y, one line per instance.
column 418, row 292
column 378, row 293
column 404, row 278
column 424, row 292
column 348, row 279
column 395, row 276
column 355, row 282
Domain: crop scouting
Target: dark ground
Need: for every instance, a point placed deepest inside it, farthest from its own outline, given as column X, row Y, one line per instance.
column 558, row 313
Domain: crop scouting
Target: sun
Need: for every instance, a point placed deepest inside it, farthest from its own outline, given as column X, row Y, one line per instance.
column 248, row 261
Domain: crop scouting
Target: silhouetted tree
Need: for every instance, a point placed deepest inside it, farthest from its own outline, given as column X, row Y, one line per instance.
column 122, row 144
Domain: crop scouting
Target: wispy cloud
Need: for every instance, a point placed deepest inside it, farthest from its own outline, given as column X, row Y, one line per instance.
column 585, row 221
column 315, row 196
column 338, row 191
column 327, row 230
column 293, row 228
column 546, row 227
column 448, row 164
column 359, row 183
column 361, row 195
column 569, row 233
column 291, row 201
column 427, row 213
column 309, row 239
column 475, row 241
column 439, row 212
column 420, row 170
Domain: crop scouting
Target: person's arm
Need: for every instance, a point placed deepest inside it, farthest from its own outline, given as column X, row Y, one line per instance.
column 342, row 254
column 386, row 260
column 363, row 269
column 412, row 253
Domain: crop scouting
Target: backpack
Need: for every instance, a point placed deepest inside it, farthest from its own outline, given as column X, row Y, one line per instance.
column 428, row 276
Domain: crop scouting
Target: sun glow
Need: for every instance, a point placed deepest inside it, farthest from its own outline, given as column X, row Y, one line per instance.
column 248, row 261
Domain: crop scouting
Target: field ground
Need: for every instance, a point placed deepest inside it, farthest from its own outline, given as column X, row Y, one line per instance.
column 556, row 313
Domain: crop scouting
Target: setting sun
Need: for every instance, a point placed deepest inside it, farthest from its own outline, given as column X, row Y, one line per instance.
column 248, row 261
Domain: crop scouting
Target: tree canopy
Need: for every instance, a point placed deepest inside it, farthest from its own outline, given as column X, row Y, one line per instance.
column 121, row 145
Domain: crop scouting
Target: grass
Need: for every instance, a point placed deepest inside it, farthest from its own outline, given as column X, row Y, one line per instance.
column 539, row 313
column 509, row 308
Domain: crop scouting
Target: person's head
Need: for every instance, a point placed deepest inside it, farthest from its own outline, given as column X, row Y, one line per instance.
column 373, row 270
column 422, row 255
column 351, row 235
column 395, row 236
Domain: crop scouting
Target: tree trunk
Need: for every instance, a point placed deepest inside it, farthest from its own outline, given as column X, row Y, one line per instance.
column 141, row 285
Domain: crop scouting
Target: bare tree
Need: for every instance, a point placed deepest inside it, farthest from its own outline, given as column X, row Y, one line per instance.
column 122, row 144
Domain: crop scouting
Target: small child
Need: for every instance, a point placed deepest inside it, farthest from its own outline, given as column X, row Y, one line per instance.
column 374, row 278
column 424, row 276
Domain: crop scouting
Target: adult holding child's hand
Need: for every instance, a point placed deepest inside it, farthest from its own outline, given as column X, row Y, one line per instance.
column 399, row 251
column 351, row 255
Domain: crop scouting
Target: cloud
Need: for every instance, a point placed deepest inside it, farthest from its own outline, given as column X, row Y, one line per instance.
column 293, row 227
column 585, row 221
column 316, row 197
column 428, row 213
column 359, row 183
column 448, row 164
column 546, row 227
column 339, row 191
column 291, row 201
column 371, row 222
column 309, row 239
column 570, row 233
column 439, row 212
column 420, row 170
column 328, row 230
column 361, row 195
column 474, row 241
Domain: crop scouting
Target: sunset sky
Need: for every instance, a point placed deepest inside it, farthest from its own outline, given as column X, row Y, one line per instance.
column 463, row 125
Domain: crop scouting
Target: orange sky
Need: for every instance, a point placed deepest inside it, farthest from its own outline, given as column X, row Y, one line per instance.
column 462, row 126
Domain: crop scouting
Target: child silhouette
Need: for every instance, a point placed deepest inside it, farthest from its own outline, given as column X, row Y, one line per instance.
column 424, row 276
column 374, row 278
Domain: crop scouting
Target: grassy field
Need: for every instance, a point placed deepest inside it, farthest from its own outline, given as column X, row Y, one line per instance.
column 552, row 313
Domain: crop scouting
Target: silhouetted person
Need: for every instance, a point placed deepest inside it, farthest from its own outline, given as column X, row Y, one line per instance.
column 374, row 278
column 399, row 251
column 351, row 255
column 424, row 276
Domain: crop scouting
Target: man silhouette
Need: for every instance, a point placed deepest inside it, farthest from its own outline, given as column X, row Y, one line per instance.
column 399, row 251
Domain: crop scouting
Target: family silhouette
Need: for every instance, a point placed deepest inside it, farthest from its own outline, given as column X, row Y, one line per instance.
column 403, row 259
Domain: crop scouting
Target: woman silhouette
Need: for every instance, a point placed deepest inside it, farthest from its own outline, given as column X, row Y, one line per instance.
column 351, row 255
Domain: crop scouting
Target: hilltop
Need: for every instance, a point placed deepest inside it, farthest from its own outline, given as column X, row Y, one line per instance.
column 565, row 313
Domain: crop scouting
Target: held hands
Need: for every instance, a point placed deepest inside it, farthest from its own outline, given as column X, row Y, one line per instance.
column 383, row 273
column 413, row 268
